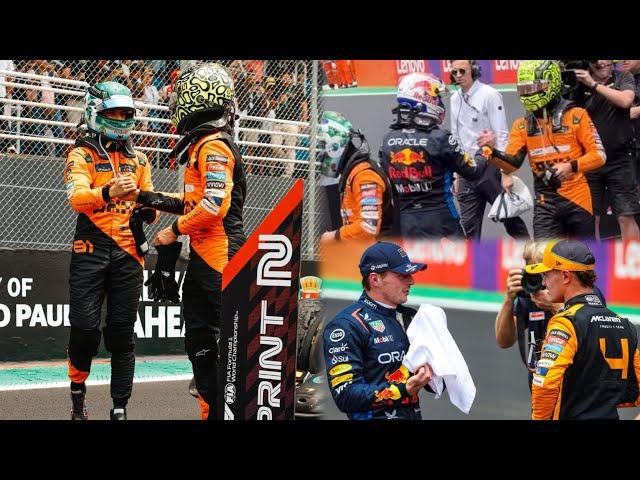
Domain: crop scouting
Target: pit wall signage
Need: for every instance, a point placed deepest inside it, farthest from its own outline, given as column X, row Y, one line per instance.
column 34, row 309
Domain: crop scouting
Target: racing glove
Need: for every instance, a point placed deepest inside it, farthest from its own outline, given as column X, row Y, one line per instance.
column 162, row 283
column 550, row 178
column 138, row 216
column 161, row 202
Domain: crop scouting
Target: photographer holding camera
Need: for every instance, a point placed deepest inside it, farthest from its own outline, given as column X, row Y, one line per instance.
column 562, row 144
column 526, row 310
column 608, row 97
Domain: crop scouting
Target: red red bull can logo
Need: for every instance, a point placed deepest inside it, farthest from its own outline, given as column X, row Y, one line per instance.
column 387, row 394
column 406, row 156
column 401, row 375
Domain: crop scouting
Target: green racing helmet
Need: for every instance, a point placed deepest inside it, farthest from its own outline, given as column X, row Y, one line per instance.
column 107, row 96
column 334, row 135
column 539, row 82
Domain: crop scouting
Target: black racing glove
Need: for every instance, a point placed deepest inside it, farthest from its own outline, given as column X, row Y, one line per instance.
column 162, row 283
column 161, row 202
column 550, row 178
column 138, row 216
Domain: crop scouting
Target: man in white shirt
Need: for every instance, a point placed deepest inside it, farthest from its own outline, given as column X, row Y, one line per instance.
column 477, row 113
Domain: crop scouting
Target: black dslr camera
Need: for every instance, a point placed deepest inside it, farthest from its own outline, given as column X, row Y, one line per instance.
column 531, row 282
column 568, row 73
column 576, row 64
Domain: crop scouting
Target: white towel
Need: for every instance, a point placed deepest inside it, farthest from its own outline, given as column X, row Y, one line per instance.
column 432, row 343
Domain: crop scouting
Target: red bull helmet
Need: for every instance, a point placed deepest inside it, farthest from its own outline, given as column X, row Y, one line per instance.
column 420, row 95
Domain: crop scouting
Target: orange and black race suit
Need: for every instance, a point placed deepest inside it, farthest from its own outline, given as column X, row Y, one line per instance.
column 589, row 366
column 215, row 187
column 104, row 261
column 214, row 191
column 365, row 202
column 569, row 135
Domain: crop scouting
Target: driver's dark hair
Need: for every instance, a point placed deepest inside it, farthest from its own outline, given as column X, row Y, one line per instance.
column 587, row 279
column 366, row 284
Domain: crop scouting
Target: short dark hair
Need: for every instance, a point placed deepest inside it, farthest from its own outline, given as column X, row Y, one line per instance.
column 365, row 280
column 587, row 278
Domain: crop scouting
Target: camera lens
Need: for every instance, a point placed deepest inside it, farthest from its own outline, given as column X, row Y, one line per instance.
column 531, row 283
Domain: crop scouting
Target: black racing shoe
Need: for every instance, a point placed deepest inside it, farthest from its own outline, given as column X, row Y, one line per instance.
column 118, row 414
column 79, row 410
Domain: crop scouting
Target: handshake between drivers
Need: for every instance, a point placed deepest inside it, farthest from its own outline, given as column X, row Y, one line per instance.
column 123, row 187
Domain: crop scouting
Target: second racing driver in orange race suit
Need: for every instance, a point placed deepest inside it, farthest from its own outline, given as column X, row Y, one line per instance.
column 365, row 192
column 209, row 209
column 562, row 144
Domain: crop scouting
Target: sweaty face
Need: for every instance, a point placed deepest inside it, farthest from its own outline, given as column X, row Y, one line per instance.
column 394, row 287
column 553, row 279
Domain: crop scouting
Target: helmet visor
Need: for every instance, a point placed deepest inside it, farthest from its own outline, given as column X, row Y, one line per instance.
column 118, row 101
column 533, row 87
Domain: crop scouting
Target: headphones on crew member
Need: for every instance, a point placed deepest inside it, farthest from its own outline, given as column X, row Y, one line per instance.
column 476, row 72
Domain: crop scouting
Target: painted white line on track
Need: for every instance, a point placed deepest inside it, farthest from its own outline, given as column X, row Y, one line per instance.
column 45, row 385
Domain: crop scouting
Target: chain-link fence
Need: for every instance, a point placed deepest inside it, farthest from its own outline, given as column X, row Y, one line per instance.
column 42, row 104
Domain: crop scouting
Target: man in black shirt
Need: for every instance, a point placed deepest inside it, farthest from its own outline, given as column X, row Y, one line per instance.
column 608, row 95
column 633, row 67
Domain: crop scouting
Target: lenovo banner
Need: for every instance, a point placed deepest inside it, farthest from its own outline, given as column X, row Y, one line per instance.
column 387, row 73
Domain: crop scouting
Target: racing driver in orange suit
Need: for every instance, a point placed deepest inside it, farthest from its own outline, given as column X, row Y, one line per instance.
column 365, row 192
column 209, row 209
column 562, row 144
column 100, row 174
column 590, row 363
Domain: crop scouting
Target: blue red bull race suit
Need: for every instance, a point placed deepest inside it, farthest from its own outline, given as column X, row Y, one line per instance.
column 420, row 163
column 364, row 346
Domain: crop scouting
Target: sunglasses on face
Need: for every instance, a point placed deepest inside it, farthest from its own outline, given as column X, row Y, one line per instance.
column 458, row 71
column 602, row 67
